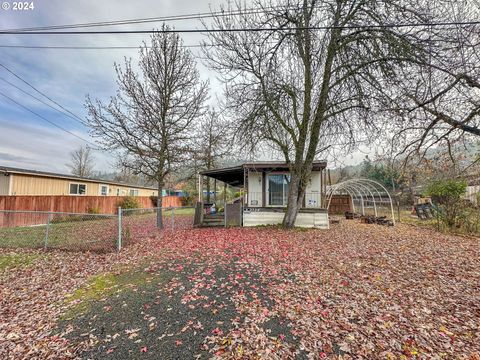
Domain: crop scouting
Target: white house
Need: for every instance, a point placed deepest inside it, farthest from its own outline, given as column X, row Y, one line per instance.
column 265, row 187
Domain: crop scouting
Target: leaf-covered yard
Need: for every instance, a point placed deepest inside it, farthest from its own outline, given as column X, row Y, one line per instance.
column 354, row 291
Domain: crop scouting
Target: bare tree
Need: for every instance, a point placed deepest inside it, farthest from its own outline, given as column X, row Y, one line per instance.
column 439, row 102
column 149, row 120
column 213, row 142
column 128, row 177
column 81, row 162
column 313, row 79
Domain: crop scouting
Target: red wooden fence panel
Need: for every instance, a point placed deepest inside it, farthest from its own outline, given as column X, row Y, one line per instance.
column 77, row 204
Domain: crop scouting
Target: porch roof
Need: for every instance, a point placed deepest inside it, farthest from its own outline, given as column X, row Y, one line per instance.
column 234, row 175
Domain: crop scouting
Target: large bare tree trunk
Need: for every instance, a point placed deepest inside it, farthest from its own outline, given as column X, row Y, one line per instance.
column 292, row 205
column 160, row 204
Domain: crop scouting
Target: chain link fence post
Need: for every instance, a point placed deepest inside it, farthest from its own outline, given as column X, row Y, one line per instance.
column 49, row 220
column 173, row 218
column 119, row 240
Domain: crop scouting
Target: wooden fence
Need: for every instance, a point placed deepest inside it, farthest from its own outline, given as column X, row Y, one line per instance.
column 78, row 204
column 340, row 204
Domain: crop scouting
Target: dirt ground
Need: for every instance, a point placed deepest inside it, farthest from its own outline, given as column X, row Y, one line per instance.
column 354, row 291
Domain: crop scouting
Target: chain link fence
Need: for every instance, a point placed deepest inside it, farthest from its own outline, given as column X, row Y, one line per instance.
column 88, row 232
column 138, row 223
column 54, row 230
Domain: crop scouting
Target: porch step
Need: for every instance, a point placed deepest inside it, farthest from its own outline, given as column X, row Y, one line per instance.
column 214, row 216
column 212, row 225
column 211, row 220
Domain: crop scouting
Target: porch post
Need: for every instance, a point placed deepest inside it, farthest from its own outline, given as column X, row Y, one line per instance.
column 200, row 187
column 264, row 189
column 215, row 191
column 224, row 194
column 245, row 194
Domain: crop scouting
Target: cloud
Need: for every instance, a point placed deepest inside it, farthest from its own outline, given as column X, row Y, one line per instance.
column 5, row 157
column 41, row 148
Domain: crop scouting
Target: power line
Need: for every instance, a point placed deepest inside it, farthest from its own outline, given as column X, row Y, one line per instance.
column 87, row 47
column 40, row 100
column 41, row 93
column 197, row 16
column 269, row 29
column 47, row 120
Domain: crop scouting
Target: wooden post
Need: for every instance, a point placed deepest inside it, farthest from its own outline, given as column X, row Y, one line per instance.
column 244, row 188
column 215, row 191
column 224, row 194
column 200, row 187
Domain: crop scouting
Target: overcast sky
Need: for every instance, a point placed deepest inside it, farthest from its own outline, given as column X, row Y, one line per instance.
column 67, row 76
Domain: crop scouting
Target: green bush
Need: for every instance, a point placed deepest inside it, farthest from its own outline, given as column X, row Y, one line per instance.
column 129, row 202
column 448, row 195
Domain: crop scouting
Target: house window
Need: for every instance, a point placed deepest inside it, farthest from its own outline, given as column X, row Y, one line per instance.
column 118, row 192
column 278, row 185
column 133, row 192
column 78, row 189
column 103, row 190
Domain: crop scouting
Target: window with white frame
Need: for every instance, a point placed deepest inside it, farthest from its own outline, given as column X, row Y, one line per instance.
column 103, row 190
column 78, row 189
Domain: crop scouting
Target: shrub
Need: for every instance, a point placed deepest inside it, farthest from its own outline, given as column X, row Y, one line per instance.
column 188, row 200
column 129, row 202
column 93, row 210
column 469, row 220
column 448, row 194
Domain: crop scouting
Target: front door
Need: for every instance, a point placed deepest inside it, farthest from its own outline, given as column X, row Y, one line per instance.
column 278, row 185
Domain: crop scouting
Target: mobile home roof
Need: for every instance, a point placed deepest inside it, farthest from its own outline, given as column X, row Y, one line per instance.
column 11, row 170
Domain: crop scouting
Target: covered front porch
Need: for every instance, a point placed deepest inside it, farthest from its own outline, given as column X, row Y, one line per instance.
column 220, row 197
column 260, row 196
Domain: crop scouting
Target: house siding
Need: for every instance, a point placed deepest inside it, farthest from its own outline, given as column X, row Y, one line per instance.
column 471, row 193
column 307, row 220
column 5, row 184
column 313, row 192
column 39, row 185
column 255, row 188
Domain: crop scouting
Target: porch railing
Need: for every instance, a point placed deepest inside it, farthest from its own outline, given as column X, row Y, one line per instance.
column 258, row 199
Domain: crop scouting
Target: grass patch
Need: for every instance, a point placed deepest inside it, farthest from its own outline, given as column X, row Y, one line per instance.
column 66, row 233
column 16, row 260
column 100, row 287
column 184, row 211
